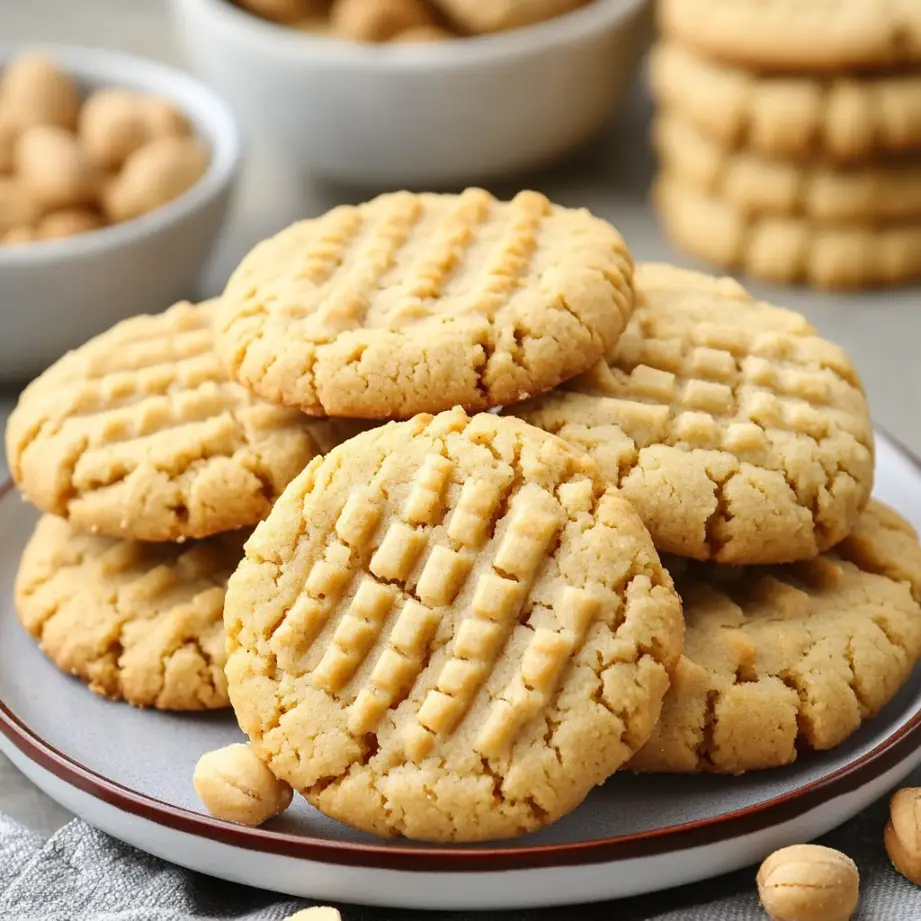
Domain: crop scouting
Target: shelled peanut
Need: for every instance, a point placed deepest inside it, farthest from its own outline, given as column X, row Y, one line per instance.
column 70, row 165
column 407, row 20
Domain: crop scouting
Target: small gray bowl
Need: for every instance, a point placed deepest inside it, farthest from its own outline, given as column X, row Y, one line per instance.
column 55, row 295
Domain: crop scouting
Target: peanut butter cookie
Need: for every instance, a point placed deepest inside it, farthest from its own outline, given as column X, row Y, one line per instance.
column 739, row 435
column 790, row 656
column 839, row 195
column 139, row 433
column 450, row 628
column 788, row 35
column 787, row 248
column 416, row 303
column 838, row 118
column 136, row 622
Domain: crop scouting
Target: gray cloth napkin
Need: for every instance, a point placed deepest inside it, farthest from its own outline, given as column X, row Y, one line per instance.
column 81, row 874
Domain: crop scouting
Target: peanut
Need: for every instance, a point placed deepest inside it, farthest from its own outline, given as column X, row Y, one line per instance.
column 115, row 123
column 903, row 833
column 423, row 34
column 17, row 208
column 281, row 10
column 68, row 223
column 377, row 20
column 317, row 25
column 163, row 119
column 236, row 786
column 317, row 913
column 153, row 175
column 9, row 134
column 112, row 127
column 18, row 236
column 54, row 168
column 35, row 92
column 808, row 882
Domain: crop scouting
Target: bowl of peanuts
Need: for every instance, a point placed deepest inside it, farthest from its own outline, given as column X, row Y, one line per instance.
column 413, row 93
column 115, row 176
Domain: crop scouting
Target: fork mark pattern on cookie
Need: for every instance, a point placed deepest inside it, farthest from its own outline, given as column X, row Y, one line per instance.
column 407, row 291
column 411, row 580
column 146, row 409
column 744, row 398
column 542, row 665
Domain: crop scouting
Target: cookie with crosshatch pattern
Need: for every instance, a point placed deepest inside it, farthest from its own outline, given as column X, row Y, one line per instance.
column 450, row 628
column 417, row 303
column 739, row 434
column 139, row 433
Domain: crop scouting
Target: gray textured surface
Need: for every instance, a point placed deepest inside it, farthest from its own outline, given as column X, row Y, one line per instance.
column 881, row 331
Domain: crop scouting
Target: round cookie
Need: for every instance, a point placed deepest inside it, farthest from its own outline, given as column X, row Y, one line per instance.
column 781, row 658
column 804, row 35
column 139, row 433
column 790, row 249
column 757, row 185
column 135, row 621
column 417, row 303
column 473, row 631
column 478, row 16
column 834, row 118
column 738, row 434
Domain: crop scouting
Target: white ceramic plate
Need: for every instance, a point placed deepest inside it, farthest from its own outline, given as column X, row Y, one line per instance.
column 128, row 772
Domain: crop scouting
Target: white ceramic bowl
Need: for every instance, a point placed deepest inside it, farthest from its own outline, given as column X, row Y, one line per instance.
column 55, row 295
column 419, row 114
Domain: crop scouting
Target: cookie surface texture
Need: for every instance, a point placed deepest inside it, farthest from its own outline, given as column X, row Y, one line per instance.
column 478, row 16
column 140, row 434
column 739, row 435
column 837, row 118
column 135, row 621
column 760, row 185
column 416, row 303
column 786, row 249
column 450, row 628
column 816, row 35
column 813, row 649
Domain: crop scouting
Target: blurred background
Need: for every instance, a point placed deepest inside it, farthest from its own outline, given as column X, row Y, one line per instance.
column 561, row 105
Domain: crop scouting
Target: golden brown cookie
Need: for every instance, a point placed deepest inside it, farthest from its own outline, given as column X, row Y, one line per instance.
column 783, row 35
column 416, row 303
column 787, row 249
column 785, row 657
column 739, row 435
column 450, row 628
column 139, row 433
column 757, row 185
column 838, row 118
column 136, row 622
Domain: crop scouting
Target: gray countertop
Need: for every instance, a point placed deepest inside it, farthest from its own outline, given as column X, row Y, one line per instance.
column 881, row 330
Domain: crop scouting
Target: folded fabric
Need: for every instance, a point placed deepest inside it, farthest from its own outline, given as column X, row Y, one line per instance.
column 81, row 874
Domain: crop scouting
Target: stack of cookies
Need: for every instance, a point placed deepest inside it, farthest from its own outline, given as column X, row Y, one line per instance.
column 789, row 137
column 646, row 541
column 151, row 467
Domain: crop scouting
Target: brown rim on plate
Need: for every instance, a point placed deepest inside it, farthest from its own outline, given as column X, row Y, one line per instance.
column 458, row 858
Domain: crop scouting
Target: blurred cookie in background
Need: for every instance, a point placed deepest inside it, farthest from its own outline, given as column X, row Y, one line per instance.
column 789, row 136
